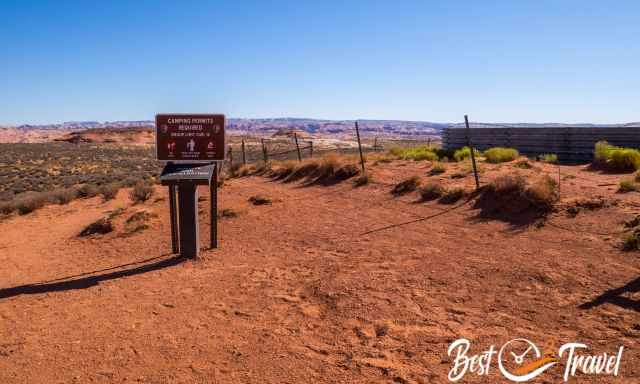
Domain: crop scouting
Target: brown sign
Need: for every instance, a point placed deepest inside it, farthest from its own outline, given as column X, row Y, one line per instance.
column 190, row 138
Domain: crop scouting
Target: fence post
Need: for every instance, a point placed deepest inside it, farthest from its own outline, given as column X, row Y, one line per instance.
column 230, row 159
column 244, row 155
column 265, row 156
column 311, row 149
column 473, row 156
column 360, row 148
column 375, row 144
column 295, row 137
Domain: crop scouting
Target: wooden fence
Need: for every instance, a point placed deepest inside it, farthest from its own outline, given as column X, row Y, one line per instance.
column 569, row 143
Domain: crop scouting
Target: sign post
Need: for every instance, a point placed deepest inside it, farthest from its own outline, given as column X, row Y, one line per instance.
column 192, row 146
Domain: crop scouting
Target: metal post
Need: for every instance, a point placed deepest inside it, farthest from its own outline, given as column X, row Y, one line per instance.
column 473, row 156
column 244, row 156
column 295, row 137
column 375, row 144
column 213, row 203
column 188, row 215
column 265, row 155
column 360, row 148
column 311, row 149
column 174, row 219
column 230, row 160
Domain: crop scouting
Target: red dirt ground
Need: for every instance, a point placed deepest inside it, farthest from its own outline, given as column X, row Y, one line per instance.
column 298, row 293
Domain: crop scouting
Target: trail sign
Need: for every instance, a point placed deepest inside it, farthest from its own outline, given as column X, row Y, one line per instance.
column 192, row 138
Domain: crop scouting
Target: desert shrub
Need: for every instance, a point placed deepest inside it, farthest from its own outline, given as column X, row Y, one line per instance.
column 632, row 241
column 259, row 200
column 396, row 152
column 551, row 158
column 406, row 186
column 624, row 159
column 7, row 207
column 420, row 153
column 227, row 213
column 61, row 196
column 452, row 195
column 507, row 184
column 141, row 192
column 511, row 194
column 30, row 202
column 437, row 169
column 138, row 221
column 444, row 154
column 627, row 185
column 615, row 158
column 346, row 171
column 603, row 151
column 306, row 169
column 362, row 180
column 523, row 163
column 282, row 169
column 465, row 153
column 543, row 192
column 431, row 191
column 87, row 190
column 109, row 191
column 100, row 226
column 500, row 154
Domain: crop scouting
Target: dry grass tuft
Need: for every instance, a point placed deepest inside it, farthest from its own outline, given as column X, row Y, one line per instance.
column 511, row 198
column 141, row 192
column 431, row 191
column 362, row 180
column 259, row 200
column 437, row 169
column 406, row 186
column 109, row 191
column 101, row 226
column 452, row 195
column 523, row 163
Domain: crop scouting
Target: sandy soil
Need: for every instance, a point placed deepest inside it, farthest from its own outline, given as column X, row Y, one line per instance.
column 326, row 285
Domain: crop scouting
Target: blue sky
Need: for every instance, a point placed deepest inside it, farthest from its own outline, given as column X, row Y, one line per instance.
column 515, row 61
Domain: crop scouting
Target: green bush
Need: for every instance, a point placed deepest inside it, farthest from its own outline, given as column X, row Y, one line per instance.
column 420, row 153
column 500, row 154
column 549, row 158
column 616, row 158
column 627, row 186
column 624, row 159
column 416, row 153
column 465, row 153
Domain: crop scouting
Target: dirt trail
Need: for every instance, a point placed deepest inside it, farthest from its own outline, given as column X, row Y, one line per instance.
column 298, row 293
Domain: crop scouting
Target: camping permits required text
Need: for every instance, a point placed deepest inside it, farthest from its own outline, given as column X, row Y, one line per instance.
column 193, row 138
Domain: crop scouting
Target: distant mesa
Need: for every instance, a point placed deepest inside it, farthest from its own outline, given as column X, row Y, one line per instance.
column 131, row 135
column 283, row 132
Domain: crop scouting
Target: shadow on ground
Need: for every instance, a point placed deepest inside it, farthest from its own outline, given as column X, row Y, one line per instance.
column 614, row 296
column 90, row 279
